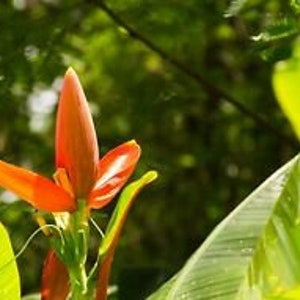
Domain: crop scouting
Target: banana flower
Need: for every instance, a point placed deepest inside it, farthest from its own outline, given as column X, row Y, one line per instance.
column 79, row 172
column 80, row 177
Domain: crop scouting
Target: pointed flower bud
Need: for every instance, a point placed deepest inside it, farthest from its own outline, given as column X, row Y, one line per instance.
column 76, row 142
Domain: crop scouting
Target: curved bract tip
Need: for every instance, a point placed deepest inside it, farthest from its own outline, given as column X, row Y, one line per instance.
column 114, row 169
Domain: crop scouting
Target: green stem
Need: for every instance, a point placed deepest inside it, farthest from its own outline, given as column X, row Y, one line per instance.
column 78, row 280
column 79, row 232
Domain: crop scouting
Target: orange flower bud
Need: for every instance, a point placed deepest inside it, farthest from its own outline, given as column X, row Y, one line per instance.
column 76, row 142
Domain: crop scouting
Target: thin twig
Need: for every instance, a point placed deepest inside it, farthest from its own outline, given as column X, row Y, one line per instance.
column 216, row 92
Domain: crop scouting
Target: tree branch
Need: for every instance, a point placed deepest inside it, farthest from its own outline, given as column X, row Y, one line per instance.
column 214, row 91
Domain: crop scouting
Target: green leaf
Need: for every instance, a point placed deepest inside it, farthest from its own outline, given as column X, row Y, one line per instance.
column 116, row 223
column 9, row 276
column 286, row 78
column 295, row 4
column 254, row 253
column 120, row 213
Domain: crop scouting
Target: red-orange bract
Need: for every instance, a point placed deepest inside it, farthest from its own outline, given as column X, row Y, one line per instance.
column 55, row 279
column 96, row 181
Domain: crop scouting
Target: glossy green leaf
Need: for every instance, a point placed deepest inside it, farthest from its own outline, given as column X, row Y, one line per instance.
column 9, row 276
column 286, row 78
column 116, row 223
column 254, row 253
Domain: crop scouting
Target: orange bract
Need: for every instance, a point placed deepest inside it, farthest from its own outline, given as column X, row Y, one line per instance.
column 76, row 142
column 55, row 279
column 35, row 189
column 114, row 169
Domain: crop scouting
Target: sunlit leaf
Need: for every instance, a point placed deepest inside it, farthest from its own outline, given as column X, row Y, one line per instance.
column 9, row 276
column 286, row 80
column 253, row 254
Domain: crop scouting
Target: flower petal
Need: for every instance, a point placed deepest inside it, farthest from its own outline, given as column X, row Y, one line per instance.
column 39, row 191
column 114, row 169
column 76, row 141
column 55, row 279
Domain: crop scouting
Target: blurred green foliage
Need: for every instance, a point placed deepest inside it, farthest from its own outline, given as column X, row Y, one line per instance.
column 209, row 155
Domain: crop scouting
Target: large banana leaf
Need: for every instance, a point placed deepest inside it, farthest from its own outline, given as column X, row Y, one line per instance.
column 252, row 254
column 9, row 276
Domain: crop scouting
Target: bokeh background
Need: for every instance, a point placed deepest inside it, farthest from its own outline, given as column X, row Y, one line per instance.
column 166, row 84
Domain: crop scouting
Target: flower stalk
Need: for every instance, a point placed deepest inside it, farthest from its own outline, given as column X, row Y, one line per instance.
column 78, row 232
column 82, row 182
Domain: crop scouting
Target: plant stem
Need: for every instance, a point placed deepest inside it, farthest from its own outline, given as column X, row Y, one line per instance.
column 79, row 232
column 78, row 280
